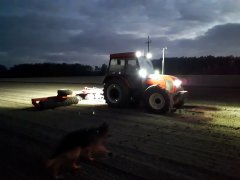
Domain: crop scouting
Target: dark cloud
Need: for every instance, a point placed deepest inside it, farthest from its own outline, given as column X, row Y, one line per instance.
column 87, row 31
column 221, row 40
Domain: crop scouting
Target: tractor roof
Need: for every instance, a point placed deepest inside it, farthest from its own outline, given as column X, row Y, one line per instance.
column 126, row 55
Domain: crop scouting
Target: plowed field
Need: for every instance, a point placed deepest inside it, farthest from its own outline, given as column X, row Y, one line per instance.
column 200, row 141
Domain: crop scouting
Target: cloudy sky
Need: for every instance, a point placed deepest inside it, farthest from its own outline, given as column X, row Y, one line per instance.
column 86, row 31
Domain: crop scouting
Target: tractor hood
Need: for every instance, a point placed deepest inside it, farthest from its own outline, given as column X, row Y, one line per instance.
column 168, row 82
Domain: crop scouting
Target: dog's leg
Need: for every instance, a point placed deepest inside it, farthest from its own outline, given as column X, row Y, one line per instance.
column 87, row 153
column 75, row 156
column 90, row 158
column 55, row 165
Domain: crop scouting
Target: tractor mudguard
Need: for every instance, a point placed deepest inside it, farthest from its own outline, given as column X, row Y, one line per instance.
column 157, row 100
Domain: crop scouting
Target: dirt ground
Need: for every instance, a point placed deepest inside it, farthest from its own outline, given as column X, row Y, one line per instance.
column 200, row 141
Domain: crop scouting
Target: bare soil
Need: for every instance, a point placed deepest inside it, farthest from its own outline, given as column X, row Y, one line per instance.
column 200, row 141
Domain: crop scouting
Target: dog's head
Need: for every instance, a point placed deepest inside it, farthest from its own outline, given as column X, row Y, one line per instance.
column 102, row 130
column 99, row 148
column 92, row 135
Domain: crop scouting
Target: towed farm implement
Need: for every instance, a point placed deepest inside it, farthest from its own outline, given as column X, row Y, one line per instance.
column 66, row 97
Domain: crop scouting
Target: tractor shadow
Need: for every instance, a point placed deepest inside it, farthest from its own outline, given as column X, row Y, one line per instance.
column 31, row 109
column 200, row 108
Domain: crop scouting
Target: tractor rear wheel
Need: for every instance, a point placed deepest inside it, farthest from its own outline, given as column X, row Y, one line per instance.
column 157, row 100
column 116, row 93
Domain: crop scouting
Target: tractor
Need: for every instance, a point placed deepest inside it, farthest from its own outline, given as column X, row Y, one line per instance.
column 131, row 80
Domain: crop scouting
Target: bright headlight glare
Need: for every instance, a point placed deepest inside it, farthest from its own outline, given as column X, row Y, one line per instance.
column 154, row 76
column 138, row 54
column 156, row 72
column 177, row 83
column 142, row 73
column 149, row 55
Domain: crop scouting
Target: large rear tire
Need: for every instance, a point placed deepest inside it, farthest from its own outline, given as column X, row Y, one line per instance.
column 157, row 100
column 116, row 93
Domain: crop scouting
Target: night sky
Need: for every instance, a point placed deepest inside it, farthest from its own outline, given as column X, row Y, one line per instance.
column 86, row 31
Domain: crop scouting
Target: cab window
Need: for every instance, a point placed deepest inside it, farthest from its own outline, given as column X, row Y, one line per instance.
column 117, row 65
column 132, row 66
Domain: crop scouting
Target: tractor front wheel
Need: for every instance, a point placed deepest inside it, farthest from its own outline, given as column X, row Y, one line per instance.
column 157, row 100
column 179, row 103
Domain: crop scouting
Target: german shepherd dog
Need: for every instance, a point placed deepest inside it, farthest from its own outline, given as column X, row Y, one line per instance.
column 82, row 141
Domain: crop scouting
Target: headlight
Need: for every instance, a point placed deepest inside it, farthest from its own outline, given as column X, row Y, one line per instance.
column 156, row 72
column 155, row 76
column 149, row 55
column 138, row 54
column 177, row 83
column 142, row 73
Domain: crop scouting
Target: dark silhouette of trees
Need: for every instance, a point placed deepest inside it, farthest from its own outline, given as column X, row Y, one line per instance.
column 2, row 68
column 101, row 71
column 3, row 71
column 104, row 69
column 50, row 69
column 208, row 65
column 204, row 65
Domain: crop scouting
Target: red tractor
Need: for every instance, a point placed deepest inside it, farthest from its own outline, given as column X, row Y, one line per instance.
column 131, row 79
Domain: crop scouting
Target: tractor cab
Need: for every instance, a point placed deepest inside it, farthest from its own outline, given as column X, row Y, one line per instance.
column 131, row 79
column 130, row 64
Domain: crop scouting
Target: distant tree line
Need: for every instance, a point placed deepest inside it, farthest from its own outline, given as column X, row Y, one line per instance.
column 51, row 70
column 206, row 65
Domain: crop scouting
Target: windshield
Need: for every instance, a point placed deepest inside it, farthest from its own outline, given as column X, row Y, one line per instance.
column 146, row 64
